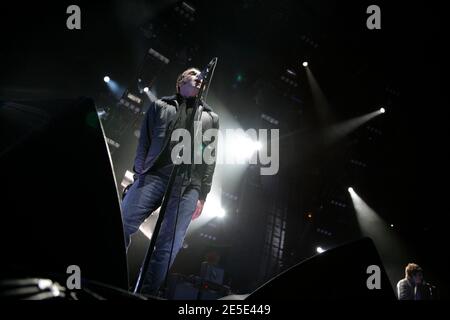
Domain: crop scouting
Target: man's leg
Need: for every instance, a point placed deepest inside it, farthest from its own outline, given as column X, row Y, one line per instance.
column 143, row 197
column 160, row 258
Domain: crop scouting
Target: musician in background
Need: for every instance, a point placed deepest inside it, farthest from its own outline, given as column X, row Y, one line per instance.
column 413, row 286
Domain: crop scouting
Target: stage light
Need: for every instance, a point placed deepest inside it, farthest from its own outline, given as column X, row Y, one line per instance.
column 383, row 110
column 381, row 232
column 106, row 79
column 44, row 284
column 305, row 64
column 242, row 147
column 292, row 73
column 146, row 89
column 220, row 213
column 320, row 250
column 213, row 209
column 350, row 190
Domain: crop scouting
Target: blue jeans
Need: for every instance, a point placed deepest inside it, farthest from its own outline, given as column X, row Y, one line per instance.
column 144, row 197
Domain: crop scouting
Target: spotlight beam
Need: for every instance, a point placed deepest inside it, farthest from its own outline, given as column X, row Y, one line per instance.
column 393, row 251
column 340, row 130
column 320, row 100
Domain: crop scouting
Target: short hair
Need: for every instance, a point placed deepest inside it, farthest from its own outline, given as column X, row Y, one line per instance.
column 412, row 269
column 181, row 75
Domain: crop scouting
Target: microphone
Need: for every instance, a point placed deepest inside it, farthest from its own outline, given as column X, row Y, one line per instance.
column 208, row 68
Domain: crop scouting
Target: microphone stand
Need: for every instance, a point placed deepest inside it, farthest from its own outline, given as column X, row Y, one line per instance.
column 205, row 83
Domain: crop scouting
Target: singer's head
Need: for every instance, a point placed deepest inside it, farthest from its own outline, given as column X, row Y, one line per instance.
column 188, row 83
column 414, row 273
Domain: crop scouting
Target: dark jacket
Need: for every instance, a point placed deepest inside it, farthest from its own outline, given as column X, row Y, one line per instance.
column 406, row 290
column 155, row 136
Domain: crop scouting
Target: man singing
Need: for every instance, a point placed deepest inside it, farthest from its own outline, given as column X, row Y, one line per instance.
column 153, row 165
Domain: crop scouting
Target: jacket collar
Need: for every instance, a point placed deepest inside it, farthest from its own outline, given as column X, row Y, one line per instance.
column 177, row 97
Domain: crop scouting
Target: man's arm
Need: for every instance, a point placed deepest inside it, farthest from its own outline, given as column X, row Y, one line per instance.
column 144, row 139
column 209, row 170
column 404, row 290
